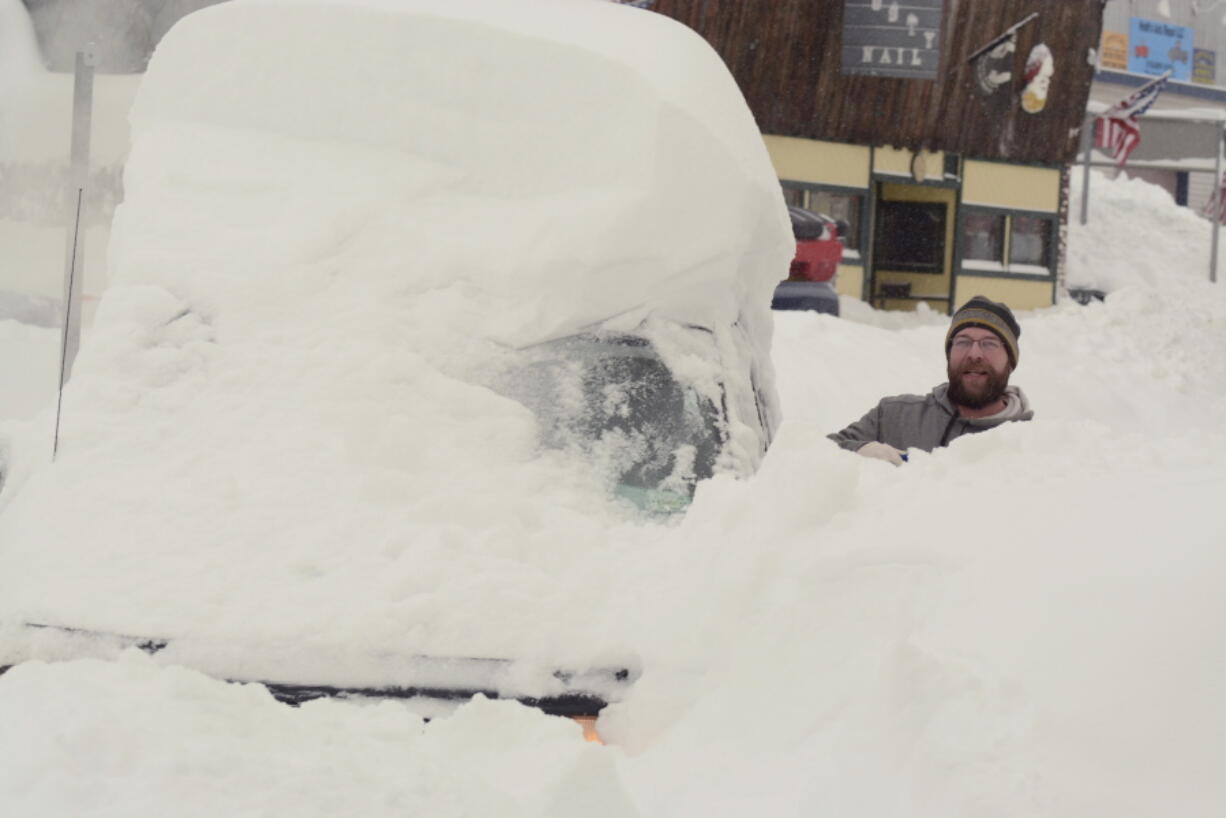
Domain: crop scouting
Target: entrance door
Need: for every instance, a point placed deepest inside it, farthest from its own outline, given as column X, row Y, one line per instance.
column 913, row 233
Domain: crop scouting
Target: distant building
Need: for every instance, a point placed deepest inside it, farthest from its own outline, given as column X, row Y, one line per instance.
column 952, row 173
column 1140, row 40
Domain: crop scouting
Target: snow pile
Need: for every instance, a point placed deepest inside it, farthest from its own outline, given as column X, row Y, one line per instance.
column 310, row 287
column 1027, row 623
column 208, row 749
column 1135, row 235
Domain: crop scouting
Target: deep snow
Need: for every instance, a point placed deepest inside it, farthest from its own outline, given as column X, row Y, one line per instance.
column 1027, row 623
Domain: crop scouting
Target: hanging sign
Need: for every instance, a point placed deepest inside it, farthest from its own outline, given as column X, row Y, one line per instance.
column 887, row 38
column 1155, row 48
column 992, row 68
column 1039, row 69
column 1204, row 66
column 1114, row 53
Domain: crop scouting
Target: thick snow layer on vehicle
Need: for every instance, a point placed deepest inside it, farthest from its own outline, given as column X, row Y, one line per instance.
column 343, row 222
column 1027, row 623
column 551, row 164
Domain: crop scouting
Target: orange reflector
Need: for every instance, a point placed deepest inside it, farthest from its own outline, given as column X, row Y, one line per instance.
column 588, row 723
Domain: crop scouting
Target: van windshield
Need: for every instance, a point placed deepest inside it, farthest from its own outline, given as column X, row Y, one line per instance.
column 613, row 400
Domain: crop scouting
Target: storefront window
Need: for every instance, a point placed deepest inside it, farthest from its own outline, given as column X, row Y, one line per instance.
column 1001, row 241
column 1030, row 241
column 795, row 196
column 983, row 236
column 840, row 205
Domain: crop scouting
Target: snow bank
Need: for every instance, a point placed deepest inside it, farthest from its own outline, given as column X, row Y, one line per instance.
column 207, row 748
column 1135, row 235
column 313, row 273
column 1027, row 623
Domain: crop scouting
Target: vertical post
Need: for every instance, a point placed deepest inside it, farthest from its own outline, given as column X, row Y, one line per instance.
column 1087, row 145
column 78, row 178
column 1216, row 221
column 1217, row 214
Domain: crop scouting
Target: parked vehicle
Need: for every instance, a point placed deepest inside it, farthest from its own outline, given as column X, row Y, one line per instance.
column 405, row 315
column 814, row 270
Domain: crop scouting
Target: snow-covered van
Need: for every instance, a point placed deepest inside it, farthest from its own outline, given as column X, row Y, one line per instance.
column 404, row 314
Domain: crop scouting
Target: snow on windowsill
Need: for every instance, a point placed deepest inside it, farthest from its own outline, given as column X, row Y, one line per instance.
column 981, row 265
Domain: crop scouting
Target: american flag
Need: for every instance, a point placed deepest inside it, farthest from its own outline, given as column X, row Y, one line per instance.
column 1116, row 130
column 1217, row 203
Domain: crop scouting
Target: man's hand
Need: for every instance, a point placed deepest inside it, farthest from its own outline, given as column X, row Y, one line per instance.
column 882, row 451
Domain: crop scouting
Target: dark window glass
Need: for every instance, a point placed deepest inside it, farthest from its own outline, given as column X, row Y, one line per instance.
column 1030, row 241
column 910, row 237
column 983, row 236
column 794, row 196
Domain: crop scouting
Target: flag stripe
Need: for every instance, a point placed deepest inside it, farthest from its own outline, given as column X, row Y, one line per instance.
column 1116, row 130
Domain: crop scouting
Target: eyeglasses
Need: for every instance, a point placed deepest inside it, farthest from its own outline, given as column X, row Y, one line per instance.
column 988, row 346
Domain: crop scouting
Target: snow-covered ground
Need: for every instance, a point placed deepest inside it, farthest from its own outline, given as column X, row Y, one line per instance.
column 1028, row 623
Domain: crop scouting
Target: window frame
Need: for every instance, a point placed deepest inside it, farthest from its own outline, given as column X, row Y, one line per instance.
column 852, row 255
column 1002, row 267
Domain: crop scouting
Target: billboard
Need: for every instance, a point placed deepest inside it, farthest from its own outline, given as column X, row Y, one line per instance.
column 1156, row 47
column 884, row 38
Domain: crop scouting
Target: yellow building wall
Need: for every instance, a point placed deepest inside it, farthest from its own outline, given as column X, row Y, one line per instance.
column 897, row 162
column 850, row 281
column 1019, row 295
column 1011, row 186
column 829, row 163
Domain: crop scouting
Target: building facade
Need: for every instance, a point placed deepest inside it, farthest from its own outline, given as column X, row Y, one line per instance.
column 1142, row 39
column 942, row 142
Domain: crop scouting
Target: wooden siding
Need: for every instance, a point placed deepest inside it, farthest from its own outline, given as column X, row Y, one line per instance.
column 786, row 56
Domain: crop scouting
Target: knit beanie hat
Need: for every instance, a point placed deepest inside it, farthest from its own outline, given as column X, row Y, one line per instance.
column 981, row 312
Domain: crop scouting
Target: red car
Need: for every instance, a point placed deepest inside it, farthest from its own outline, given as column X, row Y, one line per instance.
column 819, row 249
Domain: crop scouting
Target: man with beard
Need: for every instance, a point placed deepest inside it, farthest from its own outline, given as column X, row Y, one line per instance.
column 981, row 352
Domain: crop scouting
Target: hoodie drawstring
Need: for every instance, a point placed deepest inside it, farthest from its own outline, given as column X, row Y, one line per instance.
column 948, row 426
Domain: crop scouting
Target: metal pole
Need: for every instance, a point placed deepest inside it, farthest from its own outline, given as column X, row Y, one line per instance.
column 82, row 113
column 1087, row 145
column 78, row 179
column 1217, row 214
column 70, row 319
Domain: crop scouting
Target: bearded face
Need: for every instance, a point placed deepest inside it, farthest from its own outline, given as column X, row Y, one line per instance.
column 976, row 379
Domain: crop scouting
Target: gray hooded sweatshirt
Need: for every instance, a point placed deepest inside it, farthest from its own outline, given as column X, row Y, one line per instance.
column 926, row 421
